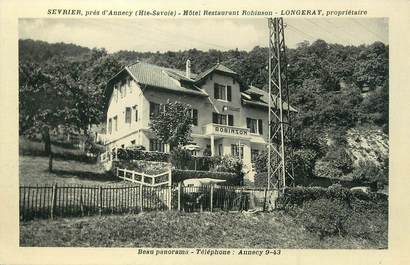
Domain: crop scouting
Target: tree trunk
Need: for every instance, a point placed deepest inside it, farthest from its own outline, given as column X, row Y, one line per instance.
column 50, row 162
column 47, row 147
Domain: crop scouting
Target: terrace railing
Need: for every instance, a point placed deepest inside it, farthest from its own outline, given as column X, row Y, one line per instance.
column 143, row 178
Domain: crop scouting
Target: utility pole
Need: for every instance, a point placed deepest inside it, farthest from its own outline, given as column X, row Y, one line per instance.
column 279, row 164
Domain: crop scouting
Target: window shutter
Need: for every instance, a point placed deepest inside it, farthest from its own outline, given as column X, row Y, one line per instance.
column 248, row 123
column 230, row 120
column 151, row 108
column 195, row 117
column 260, row 127
column 216, row 94
column 229, row 93
column 214, row 117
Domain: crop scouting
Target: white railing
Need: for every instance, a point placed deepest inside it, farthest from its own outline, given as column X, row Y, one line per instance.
column 108, row 156
column 105, row 157
column 144, row 179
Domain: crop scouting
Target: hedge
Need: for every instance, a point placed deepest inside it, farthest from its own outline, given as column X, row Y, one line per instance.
column 130, row 154
column 180, row 175
column 296, row 196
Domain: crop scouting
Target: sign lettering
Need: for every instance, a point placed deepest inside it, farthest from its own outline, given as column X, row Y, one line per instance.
column 231, row 130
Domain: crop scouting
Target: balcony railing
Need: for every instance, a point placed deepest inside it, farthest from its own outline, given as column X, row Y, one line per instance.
column 218, row 129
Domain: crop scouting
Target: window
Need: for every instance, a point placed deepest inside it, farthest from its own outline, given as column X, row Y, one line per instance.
column 133, row 142
column 222, row 92
column 110, row 126
column 156, row 145
column 154, row 109
column 127, row 115
column 116, row 93
column 254, row 125
column 220, row 150
column 194, row 116
column 135, row 108
column 129, row 85
column 115, row 123
column 123, row 88
column 254, row 154
column 222, row 119
column 237, row 150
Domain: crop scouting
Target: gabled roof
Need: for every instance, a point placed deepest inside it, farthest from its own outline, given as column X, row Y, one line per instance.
column 261, row 99
column 157, row 77
column 216, row 68
column 154, row 76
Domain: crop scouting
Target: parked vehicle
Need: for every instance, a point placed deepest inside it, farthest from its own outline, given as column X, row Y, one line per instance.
column 202, row 182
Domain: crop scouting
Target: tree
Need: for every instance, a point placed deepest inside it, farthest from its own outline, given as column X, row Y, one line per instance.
column 98, row 68
column 173, row 124
column 43, row 101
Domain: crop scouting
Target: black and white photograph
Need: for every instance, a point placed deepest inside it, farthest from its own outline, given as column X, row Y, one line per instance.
column 186, row 135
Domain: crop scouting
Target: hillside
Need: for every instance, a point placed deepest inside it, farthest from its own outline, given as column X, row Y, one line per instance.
column 341, row 93
column 41, row 51
column 368, row 145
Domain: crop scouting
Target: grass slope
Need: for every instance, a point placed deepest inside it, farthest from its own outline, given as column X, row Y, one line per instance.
column 190, row 230
column 34, row 171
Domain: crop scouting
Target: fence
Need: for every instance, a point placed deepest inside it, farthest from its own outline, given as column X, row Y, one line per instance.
column 65, row 201
column 145, row 179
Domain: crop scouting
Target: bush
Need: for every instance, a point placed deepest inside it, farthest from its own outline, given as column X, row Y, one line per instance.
column 367, row 172
column 296, row 196
column 325, row 217
column 180, row 175
column 324, row 169
column 366, row 218
column 134, row 154
column 179, row 158
column 148, row 167
column 229, row 164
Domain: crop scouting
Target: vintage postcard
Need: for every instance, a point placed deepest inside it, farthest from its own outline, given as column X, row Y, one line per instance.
column 158, row 132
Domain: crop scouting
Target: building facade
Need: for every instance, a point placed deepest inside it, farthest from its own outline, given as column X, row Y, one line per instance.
column 229, row 117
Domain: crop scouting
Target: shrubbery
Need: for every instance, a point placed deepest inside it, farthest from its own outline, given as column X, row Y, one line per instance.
column 296, row 196
column 324, row 217
column 148, row 167
column 135, row 154
column 179, row 158
column 368, row 173
column 337, row 211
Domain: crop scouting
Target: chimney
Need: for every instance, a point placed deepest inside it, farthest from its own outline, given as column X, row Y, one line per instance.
column 188, row 69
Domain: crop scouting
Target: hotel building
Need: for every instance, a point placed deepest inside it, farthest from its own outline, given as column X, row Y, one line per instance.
column 229, row 117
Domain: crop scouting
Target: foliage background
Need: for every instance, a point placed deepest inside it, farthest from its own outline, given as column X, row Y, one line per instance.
column 335, row 88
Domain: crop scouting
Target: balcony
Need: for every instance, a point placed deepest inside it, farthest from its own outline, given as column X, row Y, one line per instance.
column 224, row 130
column 231, row 131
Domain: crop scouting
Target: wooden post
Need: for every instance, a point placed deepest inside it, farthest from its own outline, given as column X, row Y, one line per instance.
column 211, row 203
column 141, row 198
column 264, row 199
column 22, row 212
column 81, row 201
column 179, row 195
column 169, row 190
column 100, row 200
column 53, row 200
column 241, row 201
